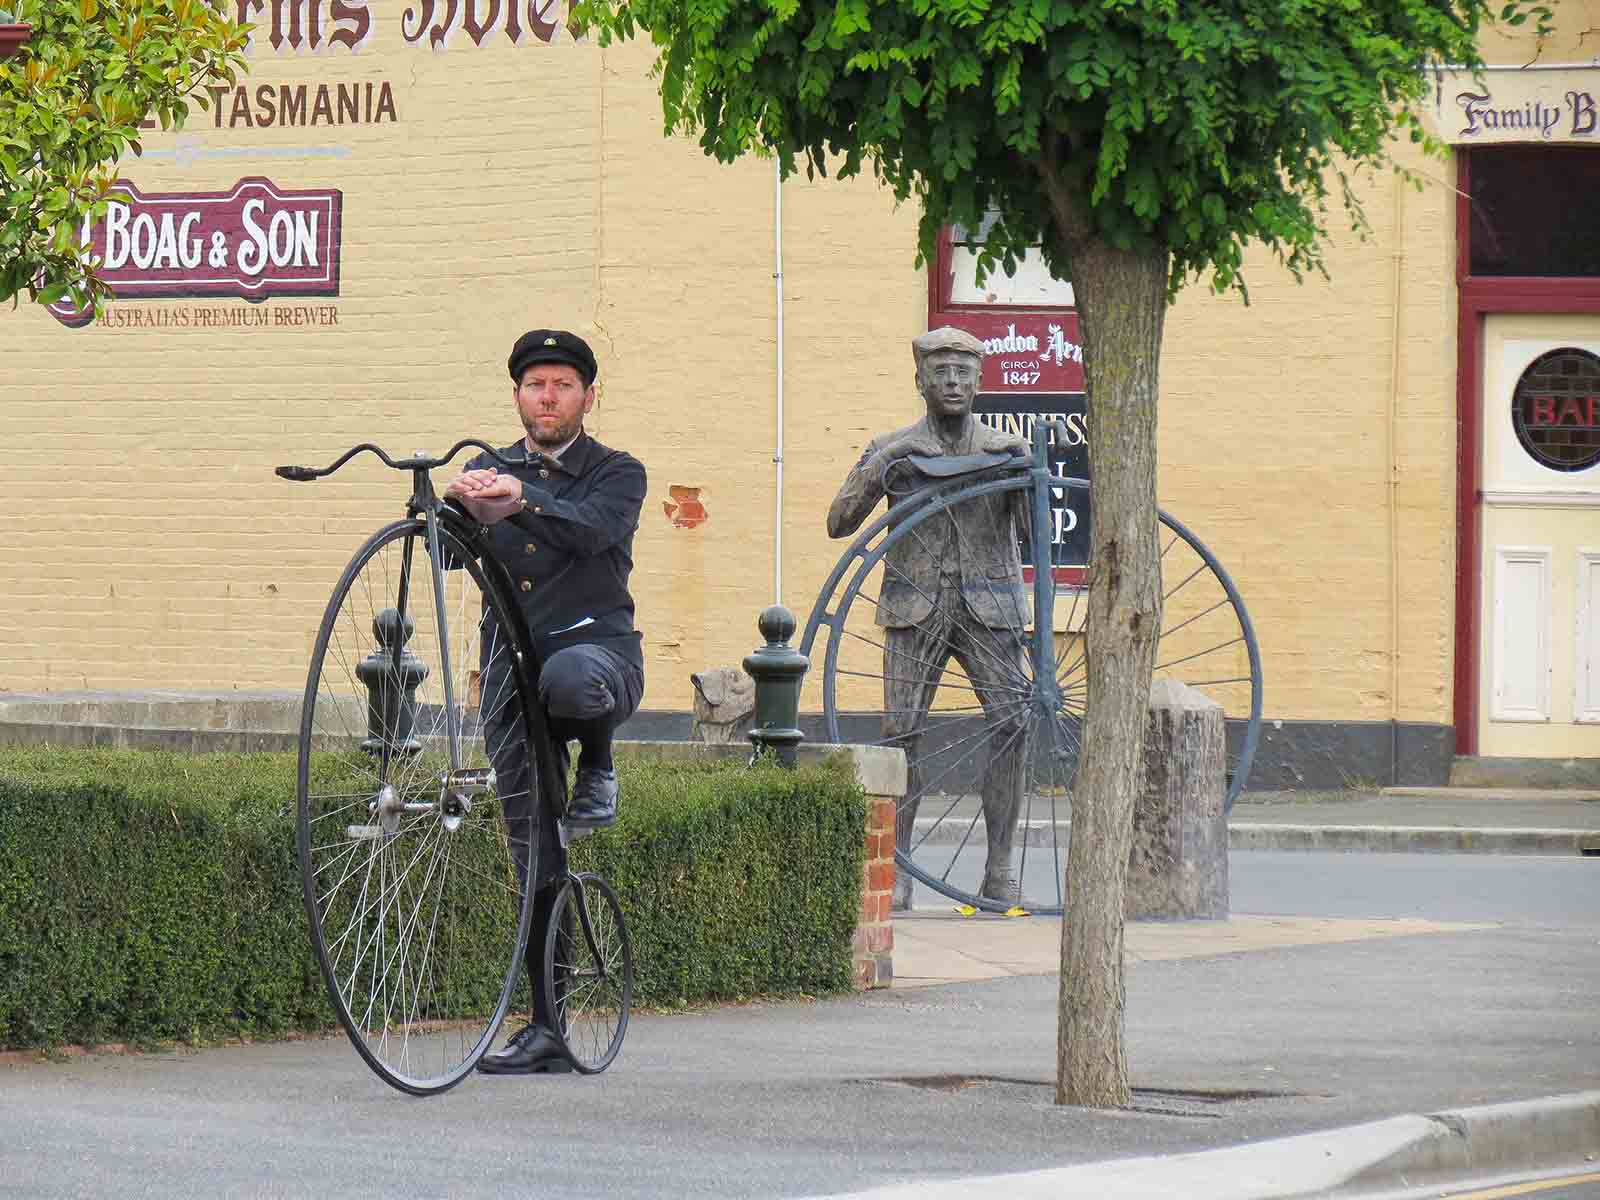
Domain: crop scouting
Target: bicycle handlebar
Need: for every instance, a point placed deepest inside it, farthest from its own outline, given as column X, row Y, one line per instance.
column 953, row 466
column 417, row 462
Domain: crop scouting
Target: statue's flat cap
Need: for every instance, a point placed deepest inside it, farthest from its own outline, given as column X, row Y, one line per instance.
column 552, row 346
column 946, row 337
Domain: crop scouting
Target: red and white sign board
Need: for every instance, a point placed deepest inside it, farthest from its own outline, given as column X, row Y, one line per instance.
column 254, row 240
column 1025, row 352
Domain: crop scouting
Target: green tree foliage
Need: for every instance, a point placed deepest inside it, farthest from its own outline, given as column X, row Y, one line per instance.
column 1195, row 127
column 71, row 104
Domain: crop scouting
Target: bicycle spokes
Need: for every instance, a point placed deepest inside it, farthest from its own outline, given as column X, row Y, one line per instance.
column 415, row 830
column 947, row 665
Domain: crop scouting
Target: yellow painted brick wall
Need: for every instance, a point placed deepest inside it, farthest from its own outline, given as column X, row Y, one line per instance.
column 688, row 308
column 156, row 549
column 530, row 184
column 1274, row 445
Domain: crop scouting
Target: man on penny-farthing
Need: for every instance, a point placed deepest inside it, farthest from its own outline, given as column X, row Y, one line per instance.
column 953, row 590
column 562, row 521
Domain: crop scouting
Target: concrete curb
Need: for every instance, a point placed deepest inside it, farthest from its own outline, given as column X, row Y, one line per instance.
column 1493, row 1139
column 1413, row 839
column 1264, row 835
column 1408, row 1151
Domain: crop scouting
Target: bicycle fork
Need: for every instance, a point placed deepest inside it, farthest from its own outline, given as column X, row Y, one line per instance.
column 1046, row 693
column 598, row 971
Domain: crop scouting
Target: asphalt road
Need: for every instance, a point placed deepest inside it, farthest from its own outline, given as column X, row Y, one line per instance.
column 806, row 1098
column 1533, row 891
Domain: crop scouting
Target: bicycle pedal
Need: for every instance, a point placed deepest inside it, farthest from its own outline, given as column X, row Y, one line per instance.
column 576, row 833
column 1015, row 911
column 966, row 910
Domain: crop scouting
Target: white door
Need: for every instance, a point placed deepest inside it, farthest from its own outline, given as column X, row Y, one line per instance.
column 1539, row 679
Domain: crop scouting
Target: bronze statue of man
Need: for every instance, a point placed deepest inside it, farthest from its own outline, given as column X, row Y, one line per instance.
column 954, row 589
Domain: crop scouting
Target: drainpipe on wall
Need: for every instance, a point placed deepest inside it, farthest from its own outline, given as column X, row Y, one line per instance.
column 777, row 452
column 1392, row 456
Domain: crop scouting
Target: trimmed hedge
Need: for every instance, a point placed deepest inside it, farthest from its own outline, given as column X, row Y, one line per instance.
column 148, row 897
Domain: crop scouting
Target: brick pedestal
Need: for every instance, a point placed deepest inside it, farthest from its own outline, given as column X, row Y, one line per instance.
column 872, row 957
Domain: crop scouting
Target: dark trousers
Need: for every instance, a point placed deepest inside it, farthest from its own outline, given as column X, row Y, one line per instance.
column 585, row 691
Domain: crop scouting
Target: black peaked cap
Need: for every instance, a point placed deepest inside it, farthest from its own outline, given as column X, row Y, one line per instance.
column 552, row 346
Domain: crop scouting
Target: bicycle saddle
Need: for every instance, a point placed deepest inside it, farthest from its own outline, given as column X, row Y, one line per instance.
column 945, row 466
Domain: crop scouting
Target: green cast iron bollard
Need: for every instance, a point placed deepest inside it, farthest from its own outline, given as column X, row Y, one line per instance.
column 778, row 670
column 391, row 674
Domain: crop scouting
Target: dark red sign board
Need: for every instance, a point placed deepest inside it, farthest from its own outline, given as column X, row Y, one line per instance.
column 253, row 241
column 1038, row 352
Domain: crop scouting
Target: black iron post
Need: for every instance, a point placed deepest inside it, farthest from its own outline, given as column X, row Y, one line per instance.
column 391, row 674
column 778, row 670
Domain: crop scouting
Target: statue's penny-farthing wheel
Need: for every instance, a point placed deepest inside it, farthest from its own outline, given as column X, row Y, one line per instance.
column 1206, row 641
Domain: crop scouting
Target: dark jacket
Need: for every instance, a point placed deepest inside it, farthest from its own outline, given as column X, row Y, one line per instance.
column 570, row 551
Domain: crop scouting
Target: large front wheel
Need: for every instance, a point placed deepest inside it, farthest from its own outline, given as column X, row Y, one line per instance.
column 413, row 846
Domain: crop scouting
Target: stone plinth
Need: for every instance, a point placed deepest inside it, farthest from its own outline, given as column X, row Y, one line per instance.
column 1178, row 866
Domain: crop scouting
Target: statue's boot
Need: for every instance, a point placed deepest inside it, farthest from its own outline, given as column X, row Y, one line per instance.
column 999, row 885
column 900, row 901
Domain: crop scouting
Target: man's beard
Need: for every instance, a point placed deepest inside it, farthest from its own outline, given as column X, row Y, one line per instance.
column 552, row 437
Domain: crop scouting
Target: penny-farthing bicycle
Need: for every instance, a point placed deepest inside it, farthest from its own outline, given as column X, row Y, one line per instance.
column 1036, row 710
column 411, row 857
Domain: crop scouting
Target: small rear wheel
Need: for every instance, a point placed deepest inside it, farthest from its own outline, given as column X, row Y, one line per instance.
column 588, row 972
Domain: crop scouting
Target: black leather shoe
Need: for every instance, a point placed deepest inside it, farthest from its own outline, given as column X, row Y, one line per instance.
column 594, row 799
column 532, row 1050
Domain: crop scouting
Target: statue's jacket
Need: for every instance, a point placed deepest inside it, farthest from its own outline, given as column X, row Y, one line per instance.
column 973, row 545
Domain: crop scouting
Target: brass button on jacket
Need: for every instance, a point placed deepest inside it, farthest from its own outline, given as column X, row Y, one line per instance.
column 530, row 548
column 527, row 585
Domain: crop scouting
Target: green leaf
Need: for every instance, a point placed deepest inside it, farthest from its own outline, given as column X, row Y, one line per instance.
column 72, row 106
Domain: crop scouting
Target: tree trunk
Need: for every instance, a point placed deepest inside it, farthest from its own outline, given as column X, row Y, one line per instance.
column 1121, row 298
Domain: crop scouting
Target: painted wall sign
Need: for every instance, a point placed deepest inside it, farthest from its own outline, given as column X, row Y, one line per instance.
column 1520, row 104
column 1069, row 456
column 315, row 25
column 254, row 240
column 303, row 104
column 1555, row 409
